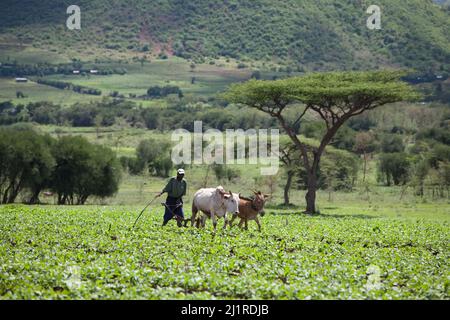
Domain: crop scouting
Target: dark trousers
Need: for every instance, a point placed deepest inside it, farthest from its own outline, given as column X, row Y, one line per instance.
column 176, row 206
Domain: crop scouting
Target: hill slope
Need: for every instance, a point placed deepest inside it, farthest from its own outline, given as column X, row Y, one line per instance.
column 309, row 34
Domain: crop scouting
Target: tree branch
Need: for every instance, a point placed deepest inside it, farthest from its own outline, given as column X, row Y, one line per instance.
column 296, row 140
column 301, row 116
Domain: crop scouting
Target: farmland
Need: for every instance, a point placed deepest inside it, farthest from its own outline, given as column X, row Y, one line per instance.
column 208, row 80
column 90, row 253
column 36, row 92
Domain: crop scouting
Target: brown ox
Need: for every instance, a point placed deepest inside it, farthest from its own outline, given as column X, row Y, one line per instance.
column 250, row 208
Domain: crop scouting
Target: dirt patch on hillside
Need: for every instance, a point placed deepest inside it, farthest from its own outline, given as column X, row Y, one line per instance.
column 146, row 37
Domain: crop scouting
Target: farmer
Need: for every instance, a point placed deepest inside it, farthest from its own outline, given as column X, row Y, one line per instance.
column 176, row 189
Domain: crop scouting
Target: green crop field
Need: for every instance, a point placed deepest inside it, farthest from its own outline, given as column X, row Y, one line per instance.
column 90, row 253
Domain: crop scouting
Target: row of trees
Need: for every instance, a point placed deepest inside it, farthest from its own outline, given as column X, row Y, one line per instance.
column 71, row 167
column 161, row 92
column 69, row 86
column 109, row 112
column 426, row 164
column 15, row 70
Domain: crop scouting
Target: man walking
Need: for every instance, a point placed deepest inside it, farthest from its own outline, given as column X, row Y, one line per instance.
column 176, row 189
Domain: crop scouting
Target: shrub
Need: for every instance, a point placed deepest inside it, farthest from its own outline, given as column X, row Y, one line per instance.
column 83, row 170
column 394, row 167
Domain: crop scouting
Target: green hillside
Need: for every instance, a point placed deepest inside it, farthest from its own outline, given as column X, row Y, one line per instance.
column 304, row 34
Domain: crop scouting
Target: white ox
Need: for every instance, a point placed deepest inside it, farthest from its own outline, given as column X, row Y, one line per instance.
column 214, row 202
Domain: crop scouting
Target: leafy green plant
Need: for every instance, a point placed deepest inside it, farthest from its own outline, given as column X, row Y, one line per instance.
column 90, row 253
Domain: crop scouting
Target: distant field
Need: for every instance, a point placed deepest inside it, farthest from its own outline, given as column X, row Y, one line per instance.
column 122, row 140
column 35, row 92
column 209, row 80
column 175, row 72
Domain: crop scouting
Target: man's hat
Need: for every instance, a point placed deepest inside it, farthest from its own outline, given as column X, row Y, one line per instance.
column 180, row 171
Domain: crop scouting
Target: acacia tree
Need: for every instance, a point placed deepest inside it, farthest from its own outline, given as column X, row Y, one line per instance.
column 364, row 145
column 334, row 97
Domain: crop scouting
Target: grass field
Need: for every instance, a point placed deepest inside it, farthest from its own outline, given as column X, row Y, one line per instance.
column 90, row 253
column 35, row 92
column 209, row 80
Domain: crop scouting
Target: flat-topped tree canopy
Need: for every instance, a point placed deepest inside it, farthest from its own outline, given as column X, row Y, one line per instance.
column 334, row 96
column 352, row 90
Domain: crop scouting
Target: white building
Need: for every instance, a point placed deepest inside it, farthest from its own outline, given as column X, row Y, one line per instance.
column 21, row 80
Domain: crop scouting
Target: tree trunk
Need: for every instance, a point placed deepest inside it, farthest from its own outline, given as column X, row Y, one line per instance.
column 14, row 193
column 35, row 197
column 205, row 181
column 83, row 199
column 287, row 187
column 310, row 196
column 62, row 198
column 365, row 167
column 9, row 190
column 5, row 195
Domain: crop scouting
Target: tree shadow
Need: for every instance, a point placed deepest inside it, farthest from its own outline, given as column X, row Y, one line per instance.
column 325, row 215
column 344, row 216
column 282, row 207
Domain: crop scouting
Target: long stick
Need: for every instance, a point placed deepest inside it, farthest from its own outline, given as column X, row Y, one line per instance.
column 143, row 212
